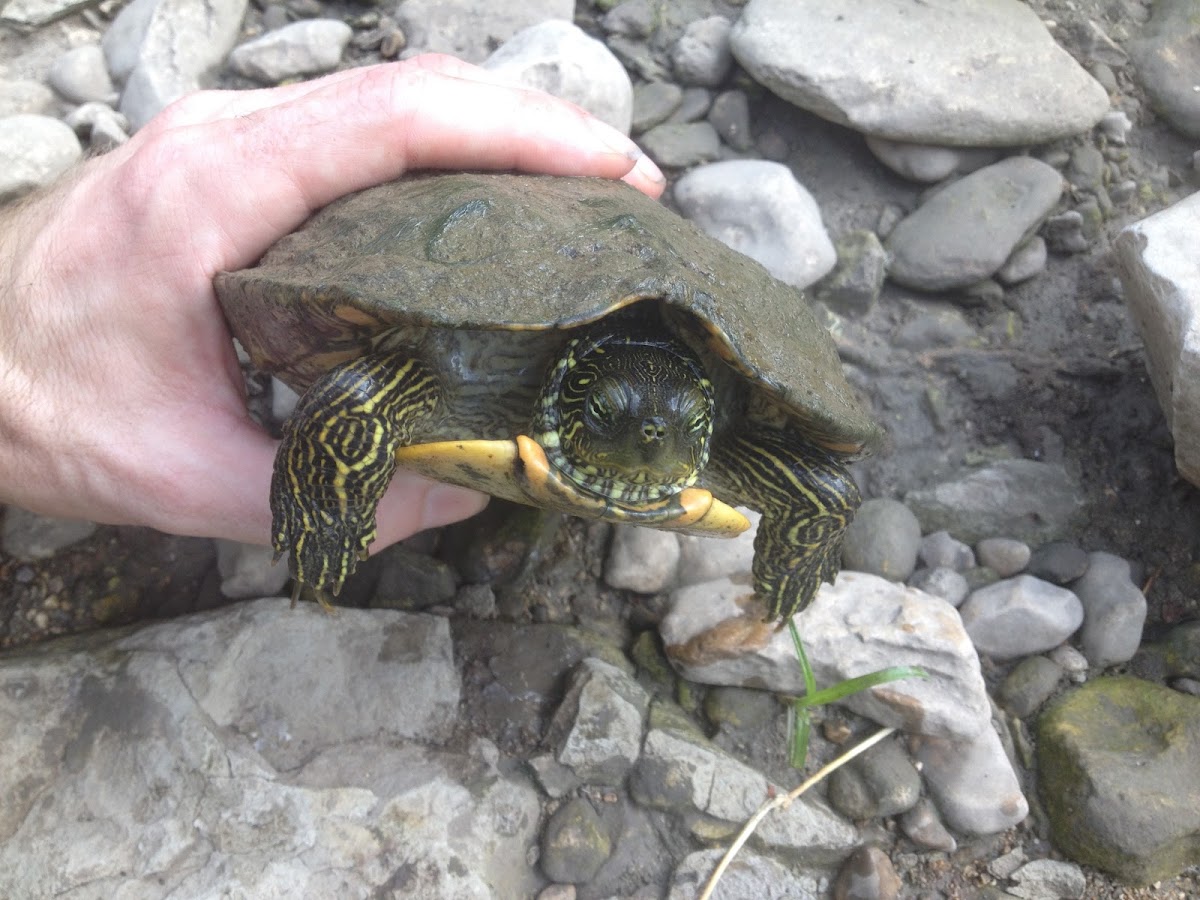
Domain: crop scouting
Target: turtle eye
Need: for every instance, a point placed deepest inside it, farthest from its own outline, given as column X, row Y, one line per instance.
column 605, row 404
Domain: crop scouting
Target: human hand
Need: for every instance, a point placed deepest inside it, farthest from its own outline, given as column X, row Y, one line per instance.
column 121, row 400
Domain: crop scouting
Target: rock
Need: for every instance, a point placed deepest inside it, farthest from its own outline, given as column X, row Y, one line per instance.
column 99, row 124
column 1167, row 64
column 1020, row 616
column 697, row 101
column 575, row 843
column 254, row 751
column 1003, row 555
column 1026, row 261
column 1157, row 263
column 412, row 581
column 248, row 570
column 730, row 116
column 750, row 876
column 308, row 47
column 653, row 103
column 855, row 282
column 642, row 559
column 701, row 56
column 1115, row 126
column 1058, row 562
column 879, row 783
column 1029, row 685
column 1114, row 611
column 704, row 559
column 860, row 624
column 162, row 49
column 34, row 150
column 972, row 782
column 1064, row 233
column 967, row 230
column 81, row 76
column 925, row 829
column 883, row 539
column 1031, row 501
column 1049, row 879
column 948, row 584
column 679, row 145
column 928, row 164
column 880, row 68
column 758, row 208
column 28, row 536
column 939, row 327
column 22, row 95
column 597, row 730
column 1110, row 758
column 471, row 29
column 35, row 13
column 867, row 875
column 557, row 57
column 941, row 549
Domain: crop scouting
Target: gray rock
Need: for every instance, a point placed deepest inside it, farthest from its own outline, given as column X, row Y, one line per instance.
column 28, row 536
column 1114, row 611
column 758, row 208
column 1058, row 562
column 679, row 145
column 163, row 49
column 642, row 559
column 575, row 843
column 412, row 581
column 697, row 101
column 701, row 56
column 1156, row 258
column 928, row 164
column 1020, row 616
column 307, row 47
column 653, row 103
column 730, row 115
column 1167, row 63
column 34, row 150
column 1031, row 501
column 1004, row 556
column 924, row 828
column 1087, row 168
column 40, row 12
column 597, row 730
column 972, row 782
column 948, row 584
column 81, row 76
column 1029, row 685
column 941, row 327
column 1049, row 879
column 880, row 68
column 248, row 570
column 553, row 777
column 559, row 58
column 859, row 624
column 704, row 559
column 751, row 876
column 1112, row 757
column 881, row 782
column 253, row 751
column 883, row 539
column 867, row 875
column 967, row 230
column 99, row 124
column 855, row 282
column 1026, row 261
column 24, row 96
column 1115, row 126
column 940, row 548
column 1065, row 233
column 471, row 29
column 283, row 400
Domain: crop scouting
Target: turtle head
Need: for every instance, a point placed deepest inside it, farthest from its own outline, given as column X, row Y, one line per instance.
column 626, row 418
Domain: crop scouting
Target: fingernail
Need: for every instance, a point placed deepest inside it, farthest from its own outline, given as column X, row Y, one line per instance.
column 646, row 168
column 613, row 139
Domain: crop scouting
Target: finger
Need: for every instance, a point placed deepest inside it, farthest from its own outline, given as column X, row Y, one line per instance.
column 353, row 133
column 413, row 503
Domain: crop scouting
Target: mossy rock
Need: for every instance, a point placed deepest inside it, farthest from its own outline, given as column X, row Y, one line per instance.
column 1119, row 776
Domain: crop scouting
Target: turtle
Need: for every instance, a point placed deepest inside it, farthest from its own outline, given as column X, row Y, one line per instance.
column 565, row 342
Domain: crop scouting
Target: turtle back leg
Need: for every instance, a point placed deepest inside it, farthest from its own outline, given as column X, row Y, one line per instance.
column 336, row 459
column 807, row 498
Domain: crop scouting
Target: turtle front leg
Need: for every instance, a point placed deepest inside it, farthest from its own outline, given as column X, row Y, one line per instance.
column 807, row 498
column 335, row 461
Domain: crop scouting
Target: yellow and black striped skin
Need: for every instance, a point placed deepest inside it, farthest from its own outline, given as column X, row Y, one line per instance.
column 336, row 459
column 807, row 498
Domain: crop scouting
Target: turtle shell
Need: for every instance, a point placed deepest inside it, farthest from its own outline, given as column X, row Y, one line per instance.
column 522, row 252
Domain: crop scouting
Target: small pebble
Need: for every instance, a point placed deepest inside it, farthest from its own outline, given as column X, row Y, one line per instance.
column 940, row 549
column 942, row 582
column 868, row 874
column 1071, row 661
column 1058, row 562
column 883, row 539
column 1005, row 556
column 81, row 75
column 653, row 104
column 1020, row 616
column 697, row 101
column 1114, row 611
column 1049, row 879
column 925, row 829
column 702, row 55
column 730, row 115
column 642, row 560
column 1029, row 685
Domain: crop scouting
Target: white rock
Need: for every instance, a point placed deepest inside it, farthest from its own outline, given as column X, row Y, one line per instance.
column 34, row 150
column 750, row 876
column 642, row 559
column 559, row 58
column 29, row 536
column 860, row 624
column 704, row 559
column 23, row 95
column 758, row 208
column 702, row 56
column 471, row 29
column 306, row 47
column 972, row 782
column 81, row 75
column 1020, row 616
column 1161, row 273
column 247, row 570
